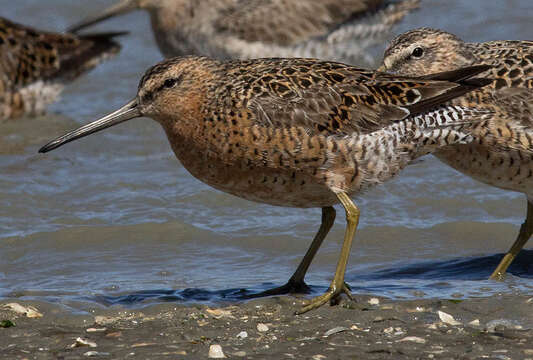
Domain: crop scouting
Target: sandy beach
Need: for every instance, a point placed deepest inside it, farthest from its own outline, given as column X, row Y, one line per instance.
column 498, row 327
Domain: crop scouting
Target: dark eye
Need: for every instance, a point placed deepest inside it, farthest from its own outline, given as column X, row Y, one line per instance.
column 170, row 82
column 418, row 52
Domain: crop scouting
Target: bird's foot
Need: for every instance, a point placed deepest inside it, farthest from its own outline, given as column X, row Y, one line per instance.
column 332, row 296
column 497, row 276
column 291, row 287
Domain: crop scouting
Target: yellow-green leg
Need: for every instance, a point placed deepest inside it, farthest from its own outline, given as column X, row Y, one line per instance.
column 337, row 285
column 526, row 230
column 296, row 283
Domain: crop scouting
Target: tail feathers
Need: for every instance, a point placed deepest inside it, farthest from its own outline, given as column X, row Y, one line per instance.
column 91, row 50
column 480, row 124
column 442, row 137
column 452, row 116
column 447, row 125
column 428, row 141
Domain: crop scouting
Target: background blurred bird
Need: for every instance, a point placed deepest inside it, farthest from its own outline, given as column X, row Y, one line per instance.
column 35, row 65
column 329, row 29
column 508, row 165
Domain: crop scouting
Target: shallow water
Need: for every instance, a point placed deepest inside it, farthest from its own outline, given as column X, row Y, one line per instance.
column 114, row 218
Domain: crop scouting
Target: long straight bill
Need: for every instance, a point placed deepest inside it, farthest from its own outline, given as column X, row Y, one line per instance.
column 125, row 113
column 121, row 8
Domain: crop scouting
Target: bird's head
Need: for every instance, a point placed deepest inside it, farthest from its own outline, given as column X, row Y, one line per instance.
column 425, row 51
column 170, row 92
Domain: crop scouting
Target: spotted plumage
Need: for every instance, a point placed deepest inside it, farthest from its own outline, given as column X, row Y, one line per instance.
column 34, row 65
column 224, row 29
column 508, row 165
column 298, row 132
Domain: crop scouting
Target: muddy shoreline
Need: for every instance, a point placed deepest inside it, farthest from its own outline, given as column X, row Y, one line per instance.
column 497, row 327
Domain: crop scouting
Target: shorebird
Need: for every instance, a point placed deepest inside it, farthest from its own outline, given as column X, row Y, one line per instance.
column 509, row 165
column 297, row 132
column 328, row 29
column 35, row 65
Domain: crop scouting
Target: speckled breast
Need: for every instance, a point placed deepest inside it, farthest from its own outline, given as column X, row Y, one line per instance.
column 274, row 186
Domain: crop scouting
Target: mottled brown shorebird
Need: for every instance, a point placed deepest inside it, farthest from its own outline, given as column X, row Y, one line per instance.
column 509, row 165
column 35, row 65
column 328, row 29
column 297, row 132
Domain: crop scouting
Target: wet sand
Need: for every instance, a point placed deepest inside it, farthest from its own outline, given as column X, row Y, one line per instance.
column 498, row 327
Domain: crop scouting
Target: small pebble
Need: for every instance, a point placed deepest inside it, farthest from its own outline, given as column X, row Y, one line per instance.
column 415, row 339
column 474, row 322
column 528, row 351
column 416, row 309
column 501, row 357
column 114, row 334
column 96, row 353
column 447, row 318
column 399, row 331
column 219, row 313
column 83, row 342
column 501, row 324
column 96, row 329
column 240, row 353
column 373, row 301
column 143, row 344
column 215, row 352
column 335, row 330
column 242, row 335
column 262, row 327
column 29, row 311
column 318, row 357
column 103, row 320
